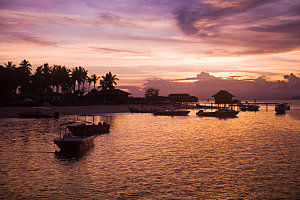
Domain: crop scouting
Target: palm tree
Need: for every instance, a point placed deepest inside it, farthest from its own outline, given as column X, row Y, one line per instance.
column 25, row 66
column 108, row 81
column 42, row 78
column 89, row 81
column 23, row 73
column 11, row 77
column 9, row 65
column 61, row 77
column 94, row 78
column 78, row 74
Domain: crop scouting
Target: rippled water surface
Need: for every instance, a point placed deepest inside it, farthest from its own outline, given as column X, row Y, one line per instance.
column 253, row 156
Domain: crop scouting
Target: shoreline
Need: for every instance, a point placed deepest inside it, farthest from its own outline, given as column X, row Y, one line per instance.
column 11, row 112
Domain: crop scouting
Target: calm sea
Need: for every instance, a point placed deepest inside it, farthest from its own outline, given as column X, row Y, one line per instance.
column 253, row 156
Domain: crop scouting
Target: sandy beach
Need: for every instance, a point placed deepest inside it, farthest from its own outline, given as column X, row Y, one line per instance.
column 11, row 112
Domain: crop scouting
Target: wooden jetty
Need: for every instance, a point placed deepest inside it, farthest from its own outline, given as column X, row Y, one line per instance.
column 217, row 106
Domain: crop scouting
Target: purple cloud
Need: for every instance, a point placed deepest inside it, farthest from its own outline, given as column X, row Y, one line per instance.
column 261, row 26
column 207, row 85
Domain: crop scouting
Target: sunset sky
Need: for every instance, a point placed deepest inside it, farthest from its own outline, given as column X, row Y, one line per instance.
column 159, row 42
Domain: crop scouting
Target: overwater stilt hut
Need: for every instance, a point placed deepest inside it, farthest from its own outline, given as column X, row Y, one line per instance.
column 223, row 97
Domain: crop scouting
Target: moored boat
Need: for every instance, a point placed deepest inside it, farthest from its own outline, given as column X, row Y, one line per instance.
column 280, row 108
column 287, row 106
column 249, row 107
column 39, row 112
column 221, row 112
column 172, row 112
column 137, row 110
column 69, row 142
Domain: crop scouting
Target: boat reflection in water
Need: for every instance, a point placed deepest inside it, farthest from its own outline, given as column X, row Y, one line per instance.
column 220, row 113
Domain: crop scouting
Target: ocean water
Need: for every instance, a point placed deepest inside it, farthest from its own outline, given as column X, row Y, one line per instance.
column 253, row 156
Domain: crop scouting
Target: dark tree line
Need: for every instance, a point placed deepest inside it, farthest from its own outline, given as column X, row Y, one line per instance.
column 20, row 79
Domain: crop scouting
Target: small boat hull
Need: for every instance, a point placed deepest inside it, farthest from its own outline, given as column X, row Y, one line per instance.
column 218, row 114
column 73, row 144
column 281, row 108
column 136, row 110
column 173, row 113
column 37, row 115
column 250, row 108
column 34, row 115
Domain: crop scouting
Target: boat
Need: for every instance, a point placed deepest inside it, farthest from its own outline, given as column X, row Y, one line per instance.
column 69, row 142
column 39, row 112
column 137, row 110
column 287, row 106
column 221, row 112
column 172, row 112
column 280, row 108
column 249, row 107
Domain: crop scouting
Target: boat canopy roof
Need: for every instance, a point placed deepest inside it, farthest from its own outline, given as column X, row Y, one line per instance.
column 78, row 122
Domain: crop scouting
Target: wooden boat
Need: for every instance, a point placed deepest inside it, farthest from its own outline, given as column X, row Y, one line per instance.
column 280, row 108
column 249, row 107
column 172, row 112
column 80, row 134
column 221, row 112
column 39, row 112
column 73, row 143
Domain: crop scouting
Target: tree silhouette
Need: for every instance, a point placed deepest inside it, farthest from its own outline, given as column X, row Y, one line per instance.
column 10, row 65
column 10, row 77
column 94, row 79
column 78, row 74
column 41, row 80
column 108, row 81
column 60, row 77
column 151, row 92
column 23, row 74
column 89, row 81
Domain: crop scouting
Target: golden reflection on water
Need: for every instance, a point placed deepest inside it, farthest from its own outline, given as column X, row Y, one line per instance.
column 253, row 156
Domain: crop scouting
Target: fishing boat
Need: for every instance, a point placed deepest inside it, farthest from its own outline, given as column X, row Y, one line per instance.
column 221, row 112
column 39, row 112
column 280, row 108
column 69, row 142
column 172, row 112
